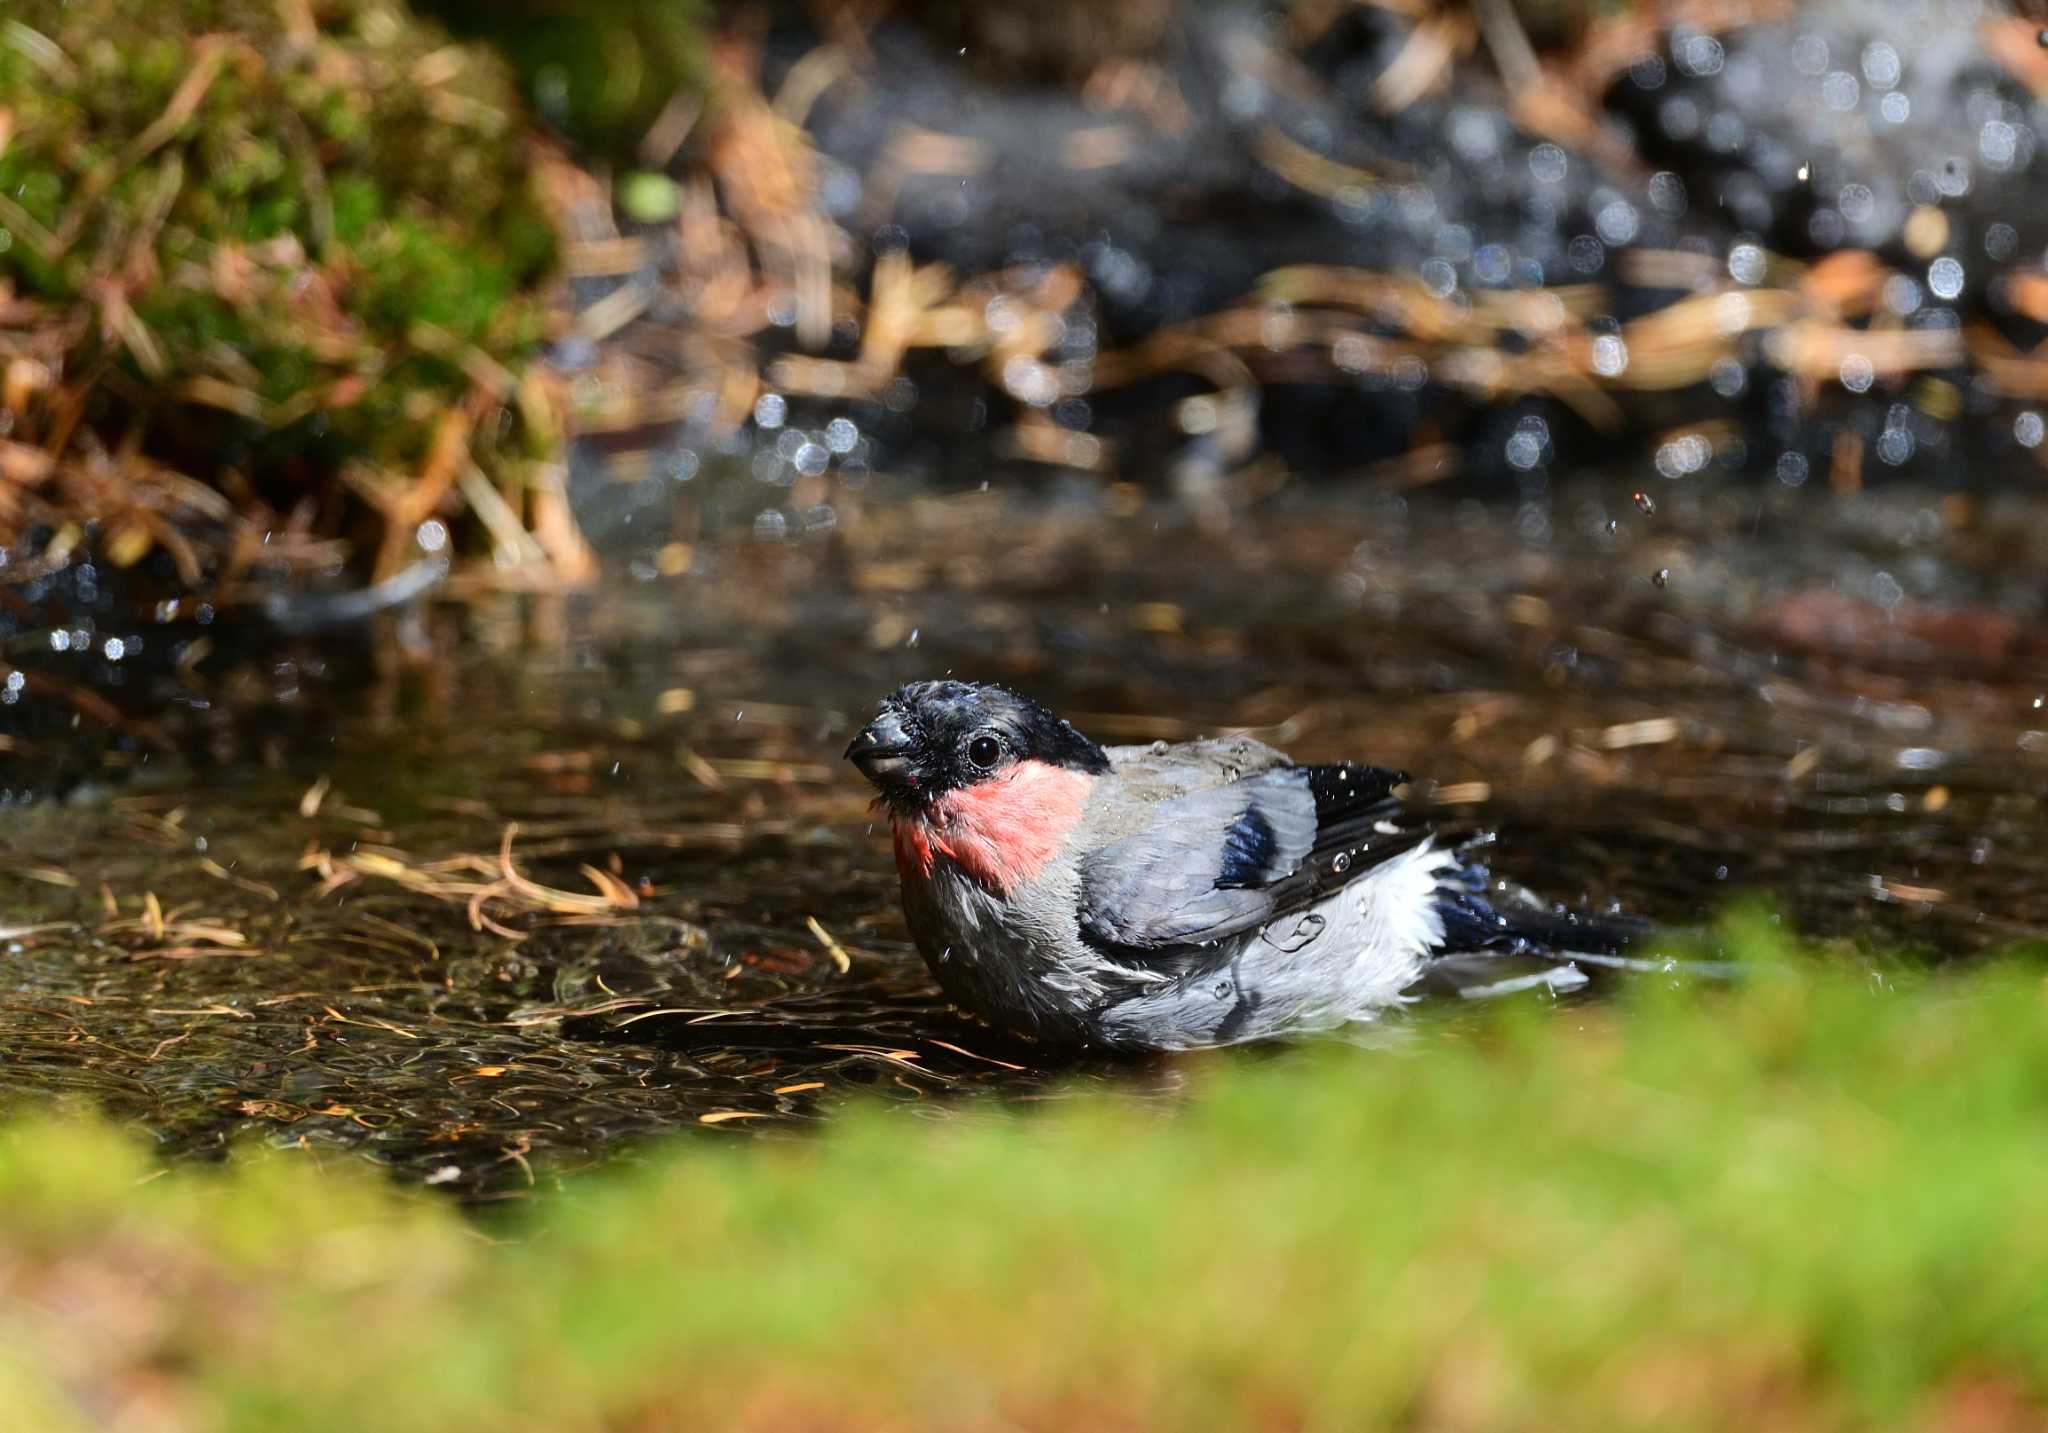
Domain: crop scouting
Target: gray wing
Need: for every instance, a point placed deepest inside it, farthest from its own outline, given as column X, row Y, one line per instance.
column 1218, row 862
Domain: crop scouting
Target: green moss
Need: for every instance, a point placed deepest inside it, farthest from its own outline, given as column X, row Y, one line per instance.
column 1806, row 1203
column 279, row 206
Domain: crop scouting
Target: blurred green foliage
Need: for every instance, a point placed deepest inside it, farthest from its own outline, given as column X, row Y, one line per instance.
column 277, row 233
column 1810, row 1202
column 599, row 70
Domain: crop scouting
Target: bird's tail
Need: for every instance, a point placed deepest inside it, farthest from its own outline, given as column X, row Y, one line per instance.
column 1500, row 937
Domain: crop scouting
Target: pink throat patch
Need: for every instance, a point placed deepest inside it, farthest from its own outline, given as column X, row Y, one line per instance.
column 1000, row 831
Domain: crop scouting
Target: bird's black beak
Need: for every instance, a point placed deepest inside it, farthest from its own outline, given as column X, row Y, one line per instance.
column 882, row 751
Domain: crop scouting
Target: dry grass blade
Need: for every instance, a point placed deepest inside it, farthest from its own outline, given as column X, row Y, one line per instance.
column 832, row 947
column 973, row 1055
column 560, row 902
column 1424, row 60
column 487, row 888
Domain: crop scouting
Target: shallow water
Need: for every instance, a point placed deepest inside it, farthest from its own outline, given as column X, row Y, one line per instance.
column 1835, row 703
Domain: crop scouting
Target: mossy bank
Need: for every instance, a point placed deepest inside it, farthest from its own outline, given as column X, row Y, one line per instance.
column 292, row 252
column 1816, row 1201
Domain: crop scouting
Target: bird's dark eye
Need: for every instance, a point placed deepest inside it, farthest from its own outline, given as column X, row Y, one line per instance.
column 984, row 751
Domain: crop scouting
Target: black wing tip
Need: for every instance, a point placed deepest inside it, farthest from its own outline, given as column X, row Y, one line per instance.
column 1343, row 785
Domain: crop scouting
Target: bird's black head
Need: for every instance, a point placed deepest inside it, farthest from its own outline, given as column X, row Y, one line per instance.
column 929, row 738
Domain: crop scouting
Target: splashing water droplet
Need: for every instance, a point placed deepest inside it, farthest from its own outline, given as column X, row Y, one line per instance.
column 1647, row 503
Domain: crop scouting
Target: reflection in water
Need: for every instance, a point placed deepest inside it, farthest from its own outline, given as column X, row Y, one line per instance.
column 694, row 923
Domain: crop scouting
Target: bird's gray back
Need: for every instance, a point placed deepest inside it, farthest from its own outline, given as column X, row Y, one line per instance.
column 1144, row 776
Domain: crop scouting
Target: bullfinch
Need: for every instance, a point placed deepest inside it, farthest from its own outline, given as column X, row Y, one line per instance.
column 1165, row 897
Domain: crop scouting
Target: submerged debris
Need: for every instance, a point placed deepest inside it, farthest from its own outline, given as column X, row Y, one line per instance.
column 516, row 926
